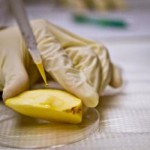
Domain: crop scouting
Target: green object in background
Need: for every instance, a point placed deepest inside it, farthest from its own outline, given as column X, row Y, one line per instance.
column 100, row 22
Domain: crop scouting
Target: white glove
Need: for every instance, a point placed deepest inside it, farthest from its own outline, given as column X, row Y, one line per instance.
column 80, row 66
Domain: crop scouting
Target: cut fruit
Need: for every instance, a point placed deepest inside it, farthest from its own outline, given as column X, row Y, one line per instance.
column 48, row 104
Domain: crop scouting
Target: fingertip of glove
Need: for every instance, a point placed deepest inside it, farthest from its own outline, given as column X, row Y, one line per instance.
column 117, row 83
column 117, row 80
column 91, row 99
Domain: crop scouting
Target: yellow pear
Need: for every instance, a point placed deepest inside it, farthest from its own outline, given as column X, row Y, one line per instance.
column 48, row 104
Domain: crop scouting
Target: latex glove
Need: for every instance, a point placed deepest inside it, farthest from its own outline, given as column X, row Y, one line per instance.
column 80, row 66
column 99, row 5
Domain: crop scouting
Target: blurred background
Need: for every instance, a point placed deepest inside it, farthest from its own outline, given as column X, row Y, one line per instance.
column 95, row 19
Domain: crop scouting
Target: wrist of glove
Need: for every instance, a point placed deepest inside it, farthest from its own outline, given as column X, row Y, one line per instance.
column 80, row 66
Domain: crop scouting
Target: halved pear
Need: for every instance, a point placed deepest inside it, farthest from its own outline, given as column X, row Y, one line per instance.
column 48, row 104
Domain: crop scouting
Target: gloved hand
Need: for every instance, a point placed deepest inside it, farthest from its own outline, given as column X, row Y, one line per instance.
column 80, row 66
column 99, row 5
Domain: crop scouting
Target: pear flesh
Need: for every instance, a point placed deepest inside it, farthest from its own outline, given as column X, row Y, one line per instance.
column 47, row 104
